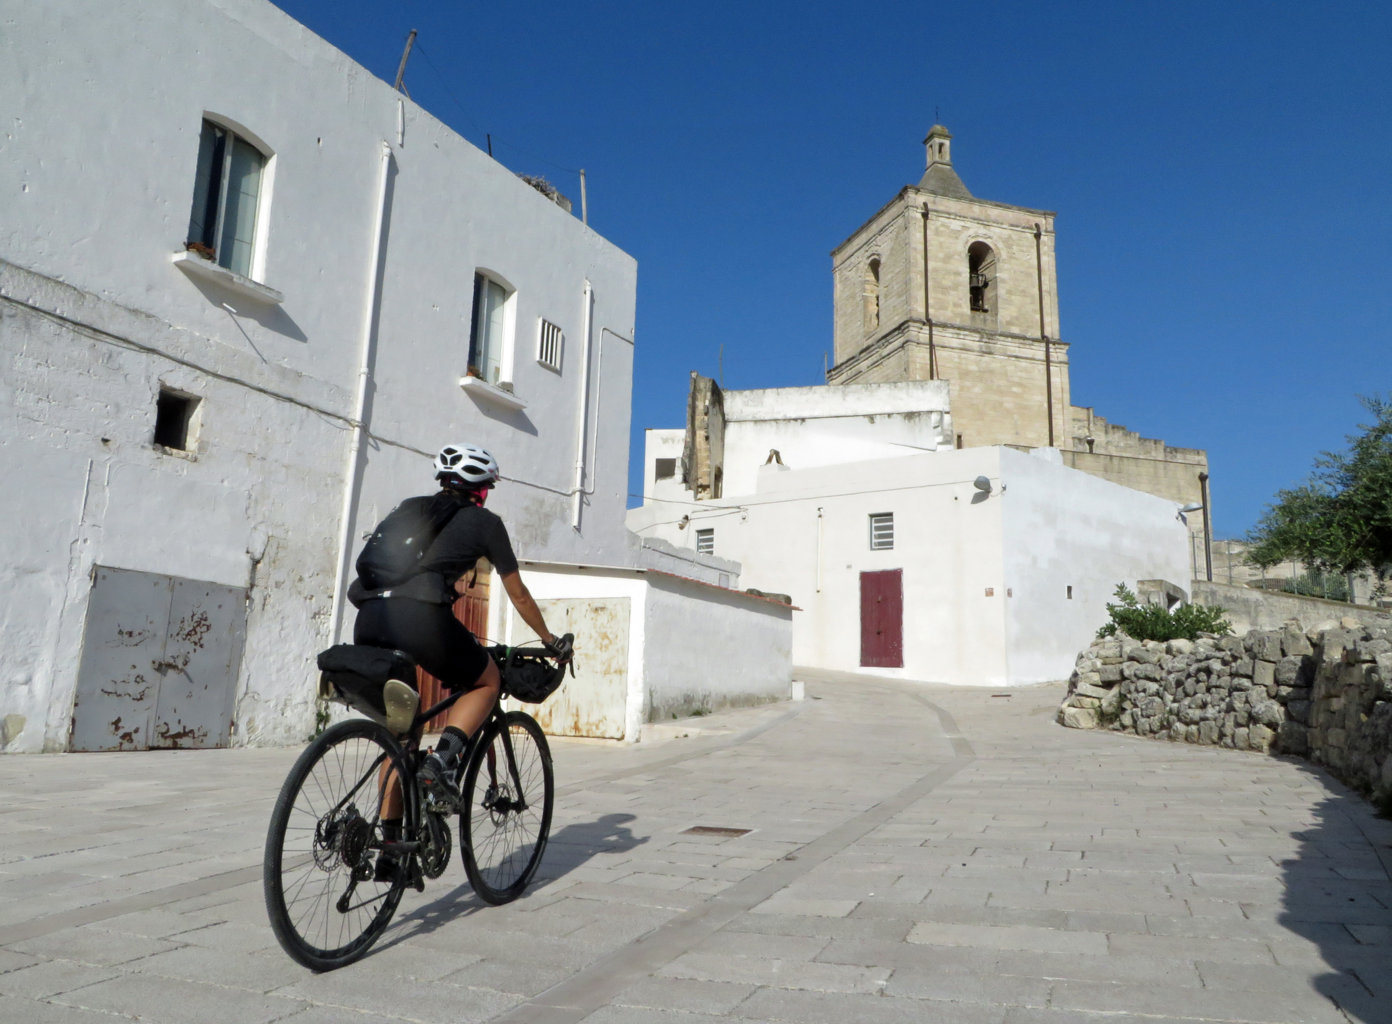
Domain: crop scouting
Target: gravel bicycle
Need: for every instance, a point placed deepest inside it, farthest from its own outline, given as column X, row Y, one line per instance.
column 327, row 895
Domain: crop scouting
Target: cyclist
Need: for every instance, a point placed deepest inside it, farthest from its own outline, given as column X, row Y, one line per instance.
column 416, row 616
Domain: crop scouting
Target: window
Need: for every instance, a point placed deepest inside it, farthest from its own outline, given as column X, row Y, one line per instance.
column 549, row 345
column 488, row 333
column 226, row 196
column 872, row 294
column 705, row 541
column 664, row 469
column 981, row 276
column 882, row 531
column 176, row 420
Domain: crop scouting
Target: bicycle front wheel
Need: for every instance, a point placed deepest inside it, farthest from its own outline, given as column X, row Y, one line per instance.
column 506, row 816
column 323, row 894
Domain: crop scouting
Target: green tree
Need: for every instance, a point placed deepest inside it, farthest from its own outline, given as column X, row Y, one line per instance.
column 1340, row 521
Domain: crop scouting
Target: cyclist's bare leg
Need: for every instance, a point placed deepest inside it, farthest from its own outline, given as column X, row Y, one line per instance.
column 391, row 793
column 467, row 714
column 471, row 710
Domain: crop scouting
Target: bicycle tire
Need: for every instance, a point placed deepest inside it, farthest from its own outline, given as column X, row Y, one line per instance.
column 319, row 834
column 502, row 837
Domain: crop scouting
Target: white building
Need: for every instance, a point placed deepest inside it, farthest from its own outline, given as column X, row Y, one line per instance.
column 244, row 296
column 983, row 566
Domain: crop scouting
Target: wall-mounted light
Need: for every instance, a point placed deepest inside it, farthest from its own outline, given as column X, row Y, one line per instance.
column 982, row 484
column 683, row 522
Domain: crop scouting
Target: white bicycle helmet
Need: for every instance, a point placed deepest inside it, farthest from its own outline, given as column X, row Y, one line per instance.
column 474, row 466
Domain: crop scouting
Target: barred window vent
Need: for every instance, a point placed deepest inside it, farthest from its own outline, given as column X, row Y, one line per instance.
column 705, row 542
column 882, row 531
column 550, row 346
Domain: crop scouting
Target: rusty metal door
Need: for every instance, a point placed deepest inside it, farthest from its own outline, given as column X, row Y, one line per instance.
column 202, row 653
column 882, row 619
column 595, row 701
column 160, row 657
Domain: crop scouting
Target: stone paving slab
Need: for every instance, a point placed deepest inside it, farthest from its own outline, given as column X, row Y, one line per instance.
column 916, row 854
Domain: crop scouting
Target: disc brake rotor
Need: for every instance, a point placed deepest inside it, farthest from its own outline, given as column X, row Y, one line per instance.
column 341, row 838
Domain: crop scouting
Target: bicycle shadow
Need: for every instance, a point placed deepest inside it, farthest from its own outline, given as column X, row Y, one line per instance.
column 566, row 850
column 577, row 844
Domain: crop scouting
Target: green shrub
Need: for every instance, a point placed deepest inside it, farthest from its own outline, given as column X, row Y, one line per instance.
column 1155, row 622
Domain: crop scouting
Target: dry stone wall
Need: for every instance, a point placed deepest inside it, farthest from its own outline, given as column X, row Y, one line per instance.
column 1323, row 694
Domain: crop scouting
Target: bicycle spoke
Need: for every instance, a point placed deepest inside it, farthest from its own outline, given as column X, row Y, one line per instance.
column 507, row 812
column 326, row 828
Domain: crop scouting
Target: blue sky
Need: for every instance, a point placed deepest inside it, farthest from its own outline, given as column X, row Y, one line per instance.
column 1220, row 173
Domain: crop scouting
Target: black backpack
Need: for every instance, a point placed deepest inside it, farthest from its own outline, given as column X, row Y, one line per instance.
column 393, row 552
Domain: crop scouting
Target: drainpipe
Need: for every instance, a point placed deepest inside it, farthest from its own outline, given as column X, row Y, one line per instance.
column 1207, row 542
column 1048, row 360
column 928, row 309
column 582, row 428
column 359, row 427
column 820, row 533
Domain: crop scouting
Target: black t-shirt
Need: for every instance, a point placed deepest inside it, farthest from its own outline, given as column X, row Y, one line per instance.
column 472, row 533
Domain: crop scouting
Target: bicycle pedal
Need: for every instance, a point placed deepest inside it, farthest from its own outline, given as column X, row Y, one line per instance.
column 442, row 800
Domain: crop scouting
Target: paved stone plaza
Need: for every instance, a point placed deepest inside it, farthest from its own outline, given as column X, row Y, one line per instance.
column 915, row 854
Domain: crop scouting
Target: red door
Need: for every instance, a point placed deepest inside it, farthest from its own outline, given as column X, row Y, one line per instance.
column 882, row 619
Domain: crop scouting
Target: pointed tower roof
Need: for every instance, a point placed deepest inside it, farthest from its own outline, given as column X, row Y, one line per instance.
column 940, row 178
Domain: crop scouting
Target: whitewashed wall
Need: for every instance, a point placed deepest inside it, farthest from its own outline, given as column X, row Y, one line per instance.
column 95, row 316
column 675, row 666
column 1070, row 538
column 668, row 493
column 736, row 650
column 830, row 426
column 985, row 575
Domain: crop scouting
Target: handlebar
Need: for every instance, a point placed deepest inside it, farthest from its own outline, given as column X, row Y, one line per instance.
column 562, row 652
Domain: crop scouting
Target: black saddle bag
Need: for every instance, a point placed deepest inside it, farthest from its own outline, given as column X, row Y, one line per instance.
column 373, row 681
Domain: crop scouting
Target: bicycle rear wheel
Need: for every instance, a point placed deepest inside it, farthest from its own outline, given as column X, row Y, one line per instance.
column 325, row 905
column 506, row 816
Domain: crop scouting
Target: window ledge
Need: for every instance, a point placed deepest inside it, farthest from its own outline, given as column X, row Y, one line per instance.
column 206, row 270
column 491, row 393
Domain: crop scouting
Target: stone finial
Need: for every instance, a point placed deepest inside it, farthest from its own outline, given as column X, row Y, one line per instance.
column 939, row 143
column 939, row 177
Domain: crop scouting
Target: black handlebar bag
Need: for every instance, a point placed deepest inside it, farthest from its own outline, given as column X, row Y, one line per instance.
column 530, row 678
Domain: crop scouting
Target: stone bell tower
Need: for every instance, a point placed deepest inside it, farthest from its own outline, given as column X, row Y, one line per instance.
column 941, row 285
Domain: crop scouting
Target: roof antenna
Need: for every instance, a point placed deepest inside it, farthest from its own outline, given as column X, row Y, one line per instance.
column 401, row 71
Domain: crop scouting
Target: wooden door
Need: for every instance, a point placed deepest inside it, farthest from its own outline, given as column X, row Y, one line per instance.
column 882, row 619
column 472, row 610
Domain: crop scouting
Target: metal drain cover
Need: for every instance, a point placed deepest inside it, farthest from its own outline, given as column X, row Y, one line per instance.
column 716, row 830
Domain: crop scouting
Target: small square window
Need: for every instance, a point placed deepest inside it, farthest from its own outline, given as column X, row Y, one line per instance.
column 226, row 199
column 882, row 531
column 664, row 469
column 550, row 345
column 176, row 420
column 705, row 542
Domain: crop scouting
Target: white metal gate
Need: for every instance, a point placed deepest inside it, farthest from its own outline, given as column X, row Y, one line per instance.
column 594, row 702
column 160, row 656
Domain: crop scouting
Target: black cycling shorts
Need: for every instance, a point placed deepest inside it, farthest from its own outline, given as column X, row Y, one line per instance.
column 430, row 633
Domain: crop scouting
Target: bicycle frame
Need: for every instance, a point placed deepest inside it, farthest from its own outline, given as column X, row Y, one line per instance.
column 495, row 713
